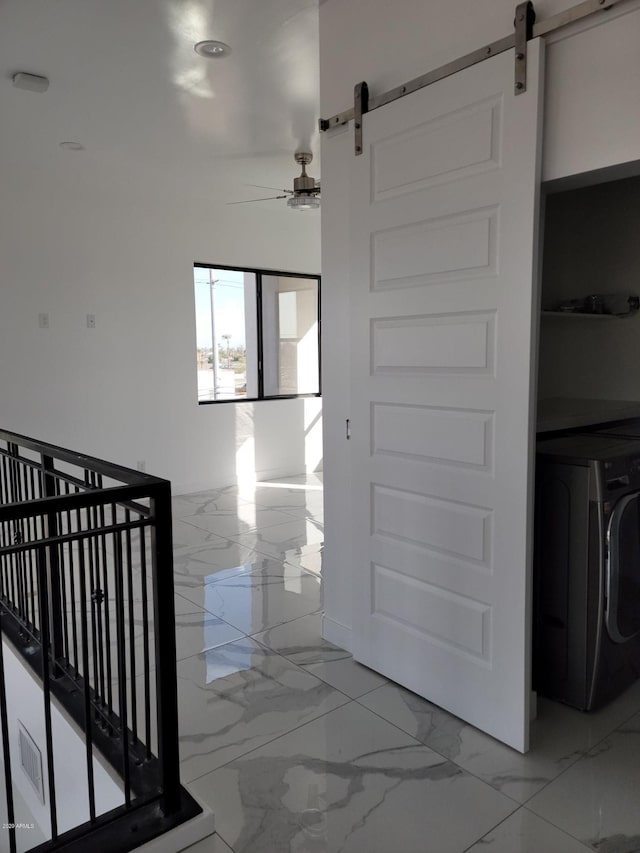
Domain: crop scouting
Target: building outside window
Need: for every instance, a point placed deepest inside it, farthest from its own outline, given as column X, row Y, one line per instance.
column 257, row 334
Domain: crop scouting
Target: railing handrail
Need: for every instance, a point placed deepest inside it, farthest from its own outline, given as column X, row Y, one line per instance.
column 82, row 460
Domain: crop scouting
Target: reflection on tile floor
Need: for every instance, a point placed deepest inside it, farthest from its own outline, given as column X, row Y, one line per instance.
column 596, row 800
column 299, row 641
column 272, row 594
column 239, row 696
column 350, row 782
column 298, row 749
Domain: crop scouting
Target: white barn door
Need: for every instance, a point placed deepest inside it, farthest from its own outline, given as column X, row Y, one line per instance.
column 444, row 214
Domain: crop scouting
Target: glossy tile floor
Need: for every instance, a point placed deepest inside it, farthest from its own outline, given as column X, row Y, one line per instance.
column 298, row 749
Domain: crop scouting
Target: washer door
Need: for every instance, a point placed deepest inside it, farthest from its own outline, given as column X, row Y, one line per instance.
column 622, row 613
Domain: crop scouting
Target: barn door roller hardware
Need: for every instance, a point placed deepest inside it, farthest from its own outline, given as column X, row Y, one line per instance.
column 525, row 19
column 360, row 107
column 526, row 29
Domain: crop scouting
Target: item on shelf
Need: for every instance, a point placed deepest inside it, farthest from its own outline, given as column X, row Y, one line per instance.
column 573, row 306
column 595, row 304
column 621, row 304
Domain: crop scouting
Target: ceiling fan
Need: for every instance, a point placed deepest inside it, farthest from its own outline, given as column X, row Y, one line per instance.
column 305, row 194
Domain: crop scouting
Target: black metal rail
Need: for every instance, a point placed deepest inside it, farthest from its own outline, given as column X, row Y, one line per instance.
column 86, row 578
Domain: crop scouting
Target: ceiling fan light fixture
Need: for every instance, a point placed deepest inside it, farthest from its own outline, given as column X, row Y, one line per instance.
column 303, row 202
column 212, row 49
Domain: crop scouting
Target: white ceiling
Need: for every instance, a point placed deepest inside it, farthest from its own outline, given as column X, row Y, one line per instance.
column 127, row 84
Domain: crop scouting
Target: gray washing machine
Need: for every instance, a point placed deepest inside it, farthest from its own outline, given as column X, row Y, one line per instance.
column 586, row 644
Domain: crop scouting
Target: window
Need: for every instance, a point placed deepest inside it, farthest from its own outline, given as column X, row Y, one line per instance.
column 257, row 334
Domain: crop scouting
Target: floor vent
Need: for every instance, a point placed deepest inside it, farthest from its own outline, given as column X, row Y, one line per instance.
column 31, row 760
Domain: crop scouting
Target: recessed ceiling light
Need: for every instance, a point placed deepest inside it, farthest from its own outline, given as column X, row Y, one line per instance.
column 72, row 146
column 212, row 49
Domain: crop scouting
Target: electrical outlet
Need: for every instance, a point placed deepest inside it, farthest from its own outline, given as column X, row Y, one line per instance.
column 43, row 321
column 142, row 465
column 91, row 321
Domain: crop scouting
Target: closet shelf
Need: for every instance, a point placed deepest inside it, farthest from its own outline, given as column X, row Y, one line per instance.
column 585, row 315
column 608, row 306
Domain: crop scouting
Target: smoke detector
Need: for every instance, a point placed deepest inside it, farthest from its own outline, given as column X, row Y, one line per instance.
column 30, row 82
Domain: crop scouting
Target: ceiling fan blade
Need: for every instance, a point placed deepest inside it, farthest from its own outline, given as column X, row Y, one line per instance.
column 249, row 200
column 277, row 189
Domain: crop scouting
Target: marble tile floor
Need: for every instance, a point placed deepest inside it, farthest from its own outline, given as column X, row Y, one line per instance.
column 298, row 749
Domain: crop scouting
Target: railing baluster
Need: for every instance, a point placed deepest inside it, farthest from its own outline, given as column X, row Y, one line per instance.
column 122, row 667
column 5, row 538
column 84, row 604
column 145, row 641
column 32, row 482
column 72, row 594
column 51, row 490
column 132, row 627
column 3, row 480
column 63, row 591
column 19, row 536
column 92, row 604
column 3, row 497
column 14, row 499
column 14, row 558
column 31, row 525
column 105, row 603
column 97, row 595
column 4, row 728
column 29, row 596
column 43, row 597
column 12, row 473
column 17, row 532
column 21, row 598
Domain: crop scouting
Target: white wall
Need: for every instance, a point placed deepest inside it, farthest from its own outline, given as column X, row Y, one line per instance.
column 25, row 703
column 27, row 838
column 592, row 93
column 71, row 244
column 388, row 44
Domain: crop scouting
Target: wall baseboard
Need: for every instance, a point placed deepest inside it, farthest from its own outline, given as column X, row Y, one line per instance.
column 336, row 633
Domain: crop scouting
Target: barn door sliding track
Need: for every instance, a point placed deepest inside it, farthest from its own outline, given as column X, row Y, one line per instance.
column 526, row 29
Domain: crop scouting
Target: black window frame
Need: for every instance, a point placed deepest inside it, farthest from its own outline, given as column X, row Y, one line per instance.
column 259, row 272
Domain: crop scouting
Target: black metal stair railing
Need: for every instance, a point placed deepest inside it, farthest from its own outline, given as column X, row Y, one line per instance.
column 86, row 598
